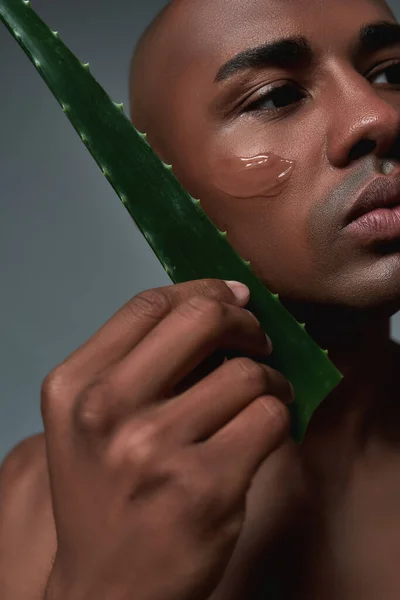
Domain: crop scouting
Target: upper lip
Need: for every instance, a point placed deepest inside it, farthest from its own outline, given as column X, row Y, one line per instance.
column 382, row 192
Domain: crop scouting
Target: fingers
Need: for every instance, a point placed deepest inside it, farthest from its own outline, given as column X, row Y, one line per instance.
column 231, row 435
column 213, row 402
column 240, row 448
column 168, row 353
column 135, row 320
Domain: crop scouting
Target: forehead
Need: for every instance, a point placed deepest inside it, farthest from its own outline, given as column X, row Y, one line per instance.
column 221, row 28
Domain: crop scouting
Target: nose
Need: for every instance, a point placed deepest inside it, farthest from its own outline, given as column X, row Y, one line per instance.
column 362, row 121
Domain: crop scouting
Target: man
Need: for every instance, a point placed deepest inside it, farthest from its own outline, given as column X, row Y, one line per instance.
column 168, row 473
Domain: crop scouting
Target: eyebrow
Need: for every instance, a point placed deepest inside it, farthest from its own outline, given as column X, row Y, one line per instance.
column 283, row 53
column 378, row 36
column 293, row 52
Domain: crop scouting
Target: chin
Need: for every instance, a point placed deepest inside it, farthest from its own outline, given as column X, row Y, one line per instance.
column 376, row 291
column 369, row 288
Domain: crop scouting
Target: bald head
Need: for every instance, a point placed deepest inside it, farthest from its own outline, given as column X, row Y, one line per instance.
column 291, row 88
column 154, row 48
column 176, row 38
column 167, row 51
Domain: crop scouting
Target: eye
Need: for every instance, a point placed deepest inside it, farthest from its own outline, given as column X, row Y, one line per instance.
column 389, row 76
column 277, row 98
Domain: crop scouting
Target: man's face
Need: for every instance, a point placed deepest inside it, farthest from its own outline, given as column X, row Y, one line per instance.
column 336, row 114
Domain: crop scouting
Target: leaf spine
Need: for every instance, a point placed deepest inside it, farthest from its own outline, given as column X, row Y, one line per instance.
column 124, row 200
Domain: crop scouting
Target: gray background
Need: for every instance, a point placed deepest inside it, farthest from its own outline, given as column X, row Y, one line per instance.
column 69, row 253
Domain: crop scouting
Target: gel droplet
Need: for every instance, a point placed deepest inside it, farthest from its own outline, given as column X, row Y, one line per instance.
column 264, row 175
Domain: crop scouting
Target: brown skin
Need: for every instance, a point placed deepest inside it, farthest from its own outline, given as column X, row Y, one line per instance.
column 329, row 508
column 127, row 466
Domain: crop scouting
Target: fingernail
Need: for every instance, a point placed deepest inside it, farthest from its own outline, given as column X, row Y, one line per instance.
column 253, row 316
column 270, row 345
column 292, row 397
column 268, row 339
column 241, row 291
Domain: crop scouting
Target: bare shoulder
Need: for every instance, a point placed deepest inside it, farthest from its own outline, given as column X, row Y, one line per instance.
column 26, row 521
column 27, row 458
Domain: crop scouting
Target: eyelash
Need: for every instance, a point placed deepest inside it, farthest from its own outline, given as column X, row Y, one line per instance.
column 274, row 91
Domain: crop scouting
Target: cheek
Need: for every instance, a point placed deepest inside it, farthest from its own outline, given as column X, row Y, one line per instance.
column 270, row 234
column 257, row 202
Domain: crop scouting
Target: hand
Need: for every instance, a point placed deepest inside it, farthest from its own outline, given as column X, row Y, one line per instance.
column 149, row 485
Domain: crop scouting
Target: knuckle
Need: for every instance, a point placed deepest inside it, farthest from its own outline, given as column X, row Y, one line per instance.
column 207, row 311
column 53, row 386
column 251, row 371
column 150, row 304
column 94, row 406
column 277, row 414
column 136, row 447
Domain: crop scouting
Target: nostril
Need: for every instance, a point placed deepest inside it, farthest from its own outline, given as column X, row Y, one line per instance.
column 394, row 151
column 362, row 148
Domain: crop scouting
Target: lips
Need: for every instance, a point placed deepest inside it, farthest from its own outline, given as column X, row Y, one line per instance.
column 382, row 192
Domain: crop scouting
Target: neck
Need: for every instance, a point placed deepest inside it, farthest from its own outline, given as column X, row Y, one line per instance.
column 357, row 427
column 354, row 339
column 360, row 352
column 359, row 345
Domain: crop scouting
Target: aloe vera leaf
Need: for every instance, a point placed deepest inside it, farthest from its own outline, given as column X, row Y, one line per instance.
column 186, row 242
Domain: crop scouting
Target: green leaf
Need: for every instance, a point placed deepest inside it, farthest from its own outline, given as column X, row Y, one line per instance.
column 184, row 239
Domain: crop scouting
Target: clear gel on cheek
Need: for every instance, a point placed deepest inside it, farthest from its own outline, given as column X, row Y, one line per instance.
column 264, row 175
